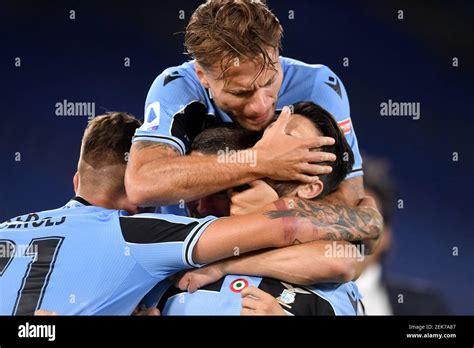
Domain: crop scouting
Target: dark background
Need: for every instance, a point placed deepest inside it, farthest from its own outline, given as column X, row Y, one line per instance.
column 407, row 60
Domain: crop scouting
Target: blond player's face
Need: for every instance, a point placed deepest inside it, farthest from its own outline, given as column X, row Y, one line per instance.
column 251, row 102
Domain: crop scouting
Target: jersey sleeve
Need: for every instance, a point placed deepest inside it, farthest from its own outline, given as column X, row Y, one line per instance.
column 172, row 92
column 329, row 92
column 163, row 244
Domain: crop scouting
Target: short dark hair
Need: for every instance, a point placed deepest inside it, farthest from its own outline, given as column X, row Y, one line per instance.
column 211, row 140
column 108, row 138
column 218, row 137
column 329, row 127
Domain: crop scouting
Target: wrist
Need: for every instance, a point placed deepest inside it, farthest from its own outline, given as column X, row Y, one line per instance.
column 260, row 167
column 223, row 268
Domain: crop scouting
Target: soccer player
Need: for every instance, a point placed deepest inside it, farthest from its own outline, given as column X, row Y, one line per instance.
column 306, row 264
column 92, row 256
column 236, row 75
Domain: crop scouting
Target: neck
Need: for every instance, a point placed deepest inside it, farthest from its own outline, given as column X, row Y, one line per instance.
column 102, row 199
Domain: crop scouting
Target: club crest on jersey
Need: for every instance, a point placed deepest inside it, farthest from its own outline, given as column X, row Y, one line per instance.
column 288, row 296
column 152, row 116
column 238, row 285
column 346, row 126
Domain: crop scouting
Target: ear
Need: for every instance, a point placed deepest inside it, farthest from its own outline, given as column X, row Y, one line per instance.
column 200, row 74
column 75, row 180
column 310, row 191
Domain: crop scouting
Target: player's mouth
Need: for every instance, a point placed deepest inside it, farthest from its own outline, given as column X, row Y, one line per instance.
column 259, row 120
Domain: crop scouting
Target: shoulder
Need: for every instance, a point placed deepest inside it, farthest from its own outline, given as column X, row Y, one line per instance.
column 315, row 82
column 176, row 76
column 296, row 68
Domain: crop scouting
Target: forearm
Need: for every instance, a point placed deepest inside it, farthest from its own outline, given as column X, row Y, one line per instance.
column 333, row 221
column 351, row 193
column 237, row 235
column 192, row 177
column 303, row 264
column 170, row 179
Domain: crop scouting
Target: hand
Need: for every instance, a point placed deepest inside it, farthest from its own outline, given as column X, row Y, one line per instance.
column 284, row 157
column 42, row 312
column 142, row 311
column 253, row 199
column 258, row 302
column 195, row 279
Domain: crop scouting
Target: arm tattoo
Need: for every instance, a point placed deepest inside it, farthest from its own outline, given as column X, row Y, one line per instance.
column 331, row 221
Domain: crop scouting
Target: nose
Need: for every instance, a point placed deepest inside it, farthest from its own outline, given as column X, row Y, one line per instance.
column 260, row 103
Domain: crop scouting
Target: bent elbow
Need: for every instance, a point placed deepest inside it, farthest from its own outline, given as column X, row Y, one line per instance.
column 370, row 245
column 345, row 269
column 133, row 189
column 142, row 192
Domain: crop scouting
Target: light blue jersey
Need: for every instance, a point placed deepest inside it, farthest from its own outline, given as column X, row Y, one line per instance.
column 223, row 297
column 86, row 260
column 178, row 107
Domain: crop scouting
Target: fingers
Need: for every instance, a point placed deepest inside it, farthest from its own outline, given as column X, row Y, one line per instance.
column 280, row 124
column 188, row 283
column 253, row 291
column 306, row 179
column 258, row 302
column 319, row 142
column 42, row 312
column 183, row 282
column 146, row 312
column 319, row 156
column 247, row 311
column 251, row 296
column 151, row 312
column 249, row 303
column 193, row 285
column 315, row 169
column 309, row 173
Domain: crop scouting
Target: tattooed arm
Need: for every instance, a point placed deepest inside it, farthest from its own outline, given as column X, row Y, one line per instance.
column 350, row 196
column 236, row 235
column 334, row 221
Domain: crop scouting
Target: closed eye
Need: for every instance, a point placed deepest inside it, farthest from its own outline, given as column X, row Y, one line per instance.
column 269, row 83
column 242, row 94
